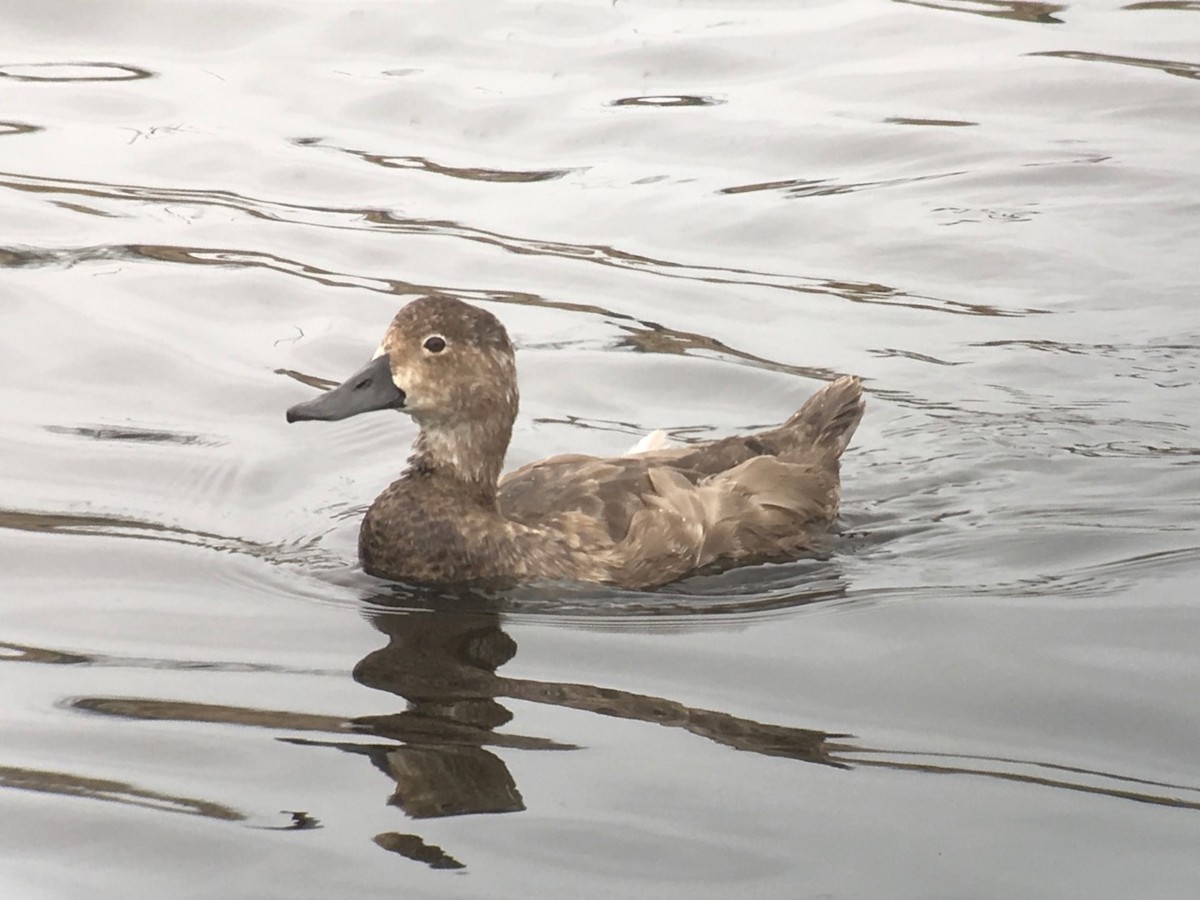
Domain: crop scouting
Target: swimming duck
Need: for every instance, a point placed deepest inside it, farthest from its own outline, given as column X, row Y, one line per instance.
column 635, row 521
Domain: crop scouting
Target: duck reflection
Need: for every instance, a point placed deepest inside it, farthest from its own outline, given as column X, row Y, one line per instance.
column 442, row 657
column 443, row 662
column 444, row 665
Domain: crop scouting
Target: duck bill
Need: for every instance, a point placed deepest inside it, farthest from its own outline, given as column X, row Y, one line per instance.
column 370, row 388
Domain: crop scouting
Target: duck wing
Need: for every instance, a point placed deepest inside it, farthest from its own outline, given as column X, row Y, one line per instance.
column 666, row 513
column 606, row 491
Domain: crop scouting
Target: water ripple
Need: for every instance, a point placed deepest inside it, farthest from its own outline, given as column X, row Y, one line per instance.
column 73, row 71
column 385, row 221
column 1036, row 773
column 105, row 525
column 137, row 435
column 74, row 785
column 702, row 602
column 1017, row 10
column 423, row 164
column 8, row 129
column 668, row 100
column 828, row 187
column 24, row 653
column 1176, row 5
column 1171, row 67
column 940, row 123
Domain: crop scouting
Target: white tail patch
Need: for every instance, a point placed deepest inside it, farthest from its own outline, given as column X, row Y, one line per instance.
column 655, row 440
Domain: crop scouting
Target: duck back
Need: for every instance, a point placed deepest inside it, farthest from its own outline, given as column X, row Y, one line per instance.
column 654, row 517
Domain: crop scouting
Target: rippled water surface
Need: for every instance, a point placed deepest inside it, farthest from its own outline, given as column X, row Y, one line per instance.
column 688, row 214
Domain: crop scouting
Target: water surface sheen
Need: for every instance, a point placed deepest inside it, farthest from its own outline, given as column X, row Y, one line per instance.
column 688, row 215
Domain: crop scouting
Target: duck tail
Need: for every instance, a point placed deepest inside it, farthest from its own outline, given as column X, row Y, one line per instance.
column 828, row 418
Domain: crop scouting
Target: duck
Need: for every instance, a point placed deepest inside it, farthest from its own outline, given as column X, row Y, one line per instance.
column 636, row 521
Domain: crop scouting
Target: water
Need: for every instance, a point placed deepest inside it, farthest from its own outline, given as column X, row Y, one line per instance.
column 687, row 215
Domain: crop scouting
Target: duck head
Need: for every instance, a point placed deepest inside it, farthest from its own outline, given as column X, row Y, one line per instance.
column 450, row 366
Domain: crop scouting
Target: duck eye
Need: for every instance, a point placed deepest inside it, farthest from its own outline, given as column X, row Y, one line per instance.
column 435, row 344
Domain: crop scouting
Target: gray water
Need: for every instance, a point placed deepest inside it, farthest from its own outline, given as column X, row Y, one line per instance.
column 688, row 215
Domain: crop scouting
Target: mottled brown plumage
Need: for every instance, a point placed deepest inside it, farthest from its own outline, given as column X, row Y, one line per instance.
column 636, row 521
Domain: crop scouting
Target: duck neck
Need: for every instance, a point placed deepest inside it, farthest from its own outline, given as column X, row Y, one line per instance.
column 470, row 454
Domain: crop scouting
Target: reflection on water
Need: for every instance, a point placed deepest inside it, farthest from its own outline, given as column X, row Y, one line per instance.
column 91, row 71
column 412, row 847
column 468, row 173
column 444, row 664
column 937, row 123
column 668, row 100
column 9, row 128
column 1018, row 10
column 103, row 525
column 827, row 187
column 1171, row 67
column 107, row 791
column 129, row 433
column 369, row 219
column 1181, row 5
